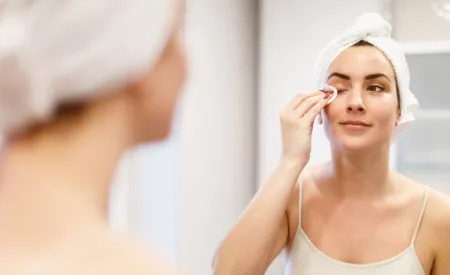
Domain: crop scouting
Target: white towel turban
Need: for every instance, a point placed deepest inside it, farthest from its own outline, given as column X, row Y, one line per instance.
column 372, row 28
column 55, row 51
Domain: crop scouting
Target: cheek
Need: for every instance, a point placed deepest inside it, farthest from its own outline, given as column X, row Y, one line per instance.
column 330, row 116
column 383, row 113
column 168, row 79
column 174, row 70
column 156, row 113
column 333, row 111
column 158, row 99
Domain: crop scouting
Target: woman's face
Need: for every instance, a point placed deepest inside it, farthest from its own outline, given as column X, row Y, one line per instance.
column 158, row 91
column 365, row 112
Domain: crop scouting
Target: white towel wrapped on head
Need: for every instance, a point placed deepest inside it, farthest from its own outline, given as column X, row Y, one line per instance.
column 372, row 28
column 54, row 51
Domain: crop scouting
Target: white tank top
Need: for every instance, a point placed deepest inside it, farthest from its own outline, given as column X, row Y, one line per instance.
column 306, row 259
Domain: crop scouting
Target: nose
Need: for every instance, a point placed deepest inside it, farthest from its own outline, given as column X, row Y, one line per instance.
column 356, row 102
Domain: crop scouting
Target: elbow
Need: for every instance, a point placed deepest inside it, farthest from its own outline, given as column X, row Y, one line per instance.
column 218, row 266
column 223, row 265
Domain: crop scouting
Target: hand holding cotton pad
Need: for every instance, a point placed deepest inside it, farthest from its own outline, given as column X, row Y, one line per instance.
column 328, row 88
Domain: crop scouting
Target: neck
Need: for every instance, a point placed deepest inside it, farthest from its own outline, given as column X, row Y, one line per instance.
column 362, row 175
column 55, row 182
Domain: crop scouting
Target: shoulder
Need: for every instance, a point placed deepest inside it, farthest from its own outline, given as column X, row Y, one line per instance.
column 309, row 192
column 436, row 229
column 438, row 213
column 307, row 182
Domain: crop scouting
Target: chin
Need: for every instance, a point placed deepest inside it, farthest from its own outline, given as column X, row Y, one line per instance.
column 156, row 126
column 160, row 134
column 155, row 131
column 355, row 144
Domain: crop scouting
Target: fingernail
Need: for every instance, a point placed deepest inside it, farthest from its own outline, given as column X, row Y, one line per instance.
column 326, row 96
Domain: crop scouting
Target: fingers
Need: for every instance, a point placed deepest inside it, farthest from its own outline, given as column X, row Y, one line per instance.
column 300, row 98
column 317, row 108
column 307, row 104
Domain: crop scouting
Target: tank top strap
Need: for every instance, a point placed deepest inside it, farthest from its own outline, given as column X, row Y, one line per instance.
column 424, row 204
column 300, row 199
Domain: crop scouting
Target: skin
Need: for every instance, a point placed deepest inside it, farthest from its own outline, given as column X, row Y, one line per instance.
column 354, row 209
column 53, row 217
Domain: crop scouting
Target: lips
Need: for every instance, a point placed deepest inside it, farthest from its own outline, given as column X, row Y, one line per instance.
column 357, row 124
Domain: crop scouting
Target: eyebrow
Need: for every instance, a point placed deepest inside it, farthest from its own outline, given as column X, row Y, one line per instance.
column 368, row 77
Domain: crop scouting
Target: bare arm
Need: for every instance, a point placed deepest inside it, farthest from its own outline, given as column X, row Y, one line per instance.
column 262, row 231
column 441, row 265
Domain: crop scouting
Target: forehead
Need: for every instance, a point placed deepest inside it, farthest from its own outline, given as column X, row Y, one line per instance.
column 362, row 61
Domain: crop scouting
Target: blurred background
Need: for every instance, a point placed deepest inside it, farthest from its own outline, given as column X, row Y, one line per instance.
column 248, row 58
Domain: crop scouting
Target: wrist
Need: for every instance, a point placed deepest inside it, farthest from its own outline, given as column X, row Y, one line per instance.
column 290, row 163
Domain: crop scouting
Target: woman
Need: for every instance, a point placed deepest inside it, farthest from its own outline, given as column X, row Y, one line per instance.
column 352, row 215
column 80, row 83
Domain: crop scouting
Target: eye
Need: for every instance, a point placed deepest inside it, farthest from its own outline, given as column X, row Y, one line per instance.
column 375, row 88
column 341, row 88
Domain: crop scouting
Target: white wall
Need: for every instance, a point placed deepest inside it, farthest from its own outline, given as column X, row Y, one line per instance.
column 292, row 34
column 218, row 127
column 416, row 20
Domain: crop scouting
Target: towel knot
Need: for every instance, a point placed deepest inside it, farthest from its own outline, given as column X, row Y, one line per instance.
column 369, row 25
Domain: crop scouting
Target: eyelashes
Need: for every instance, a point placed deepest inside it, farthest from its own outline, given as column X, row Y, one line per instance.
column 371, row 88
